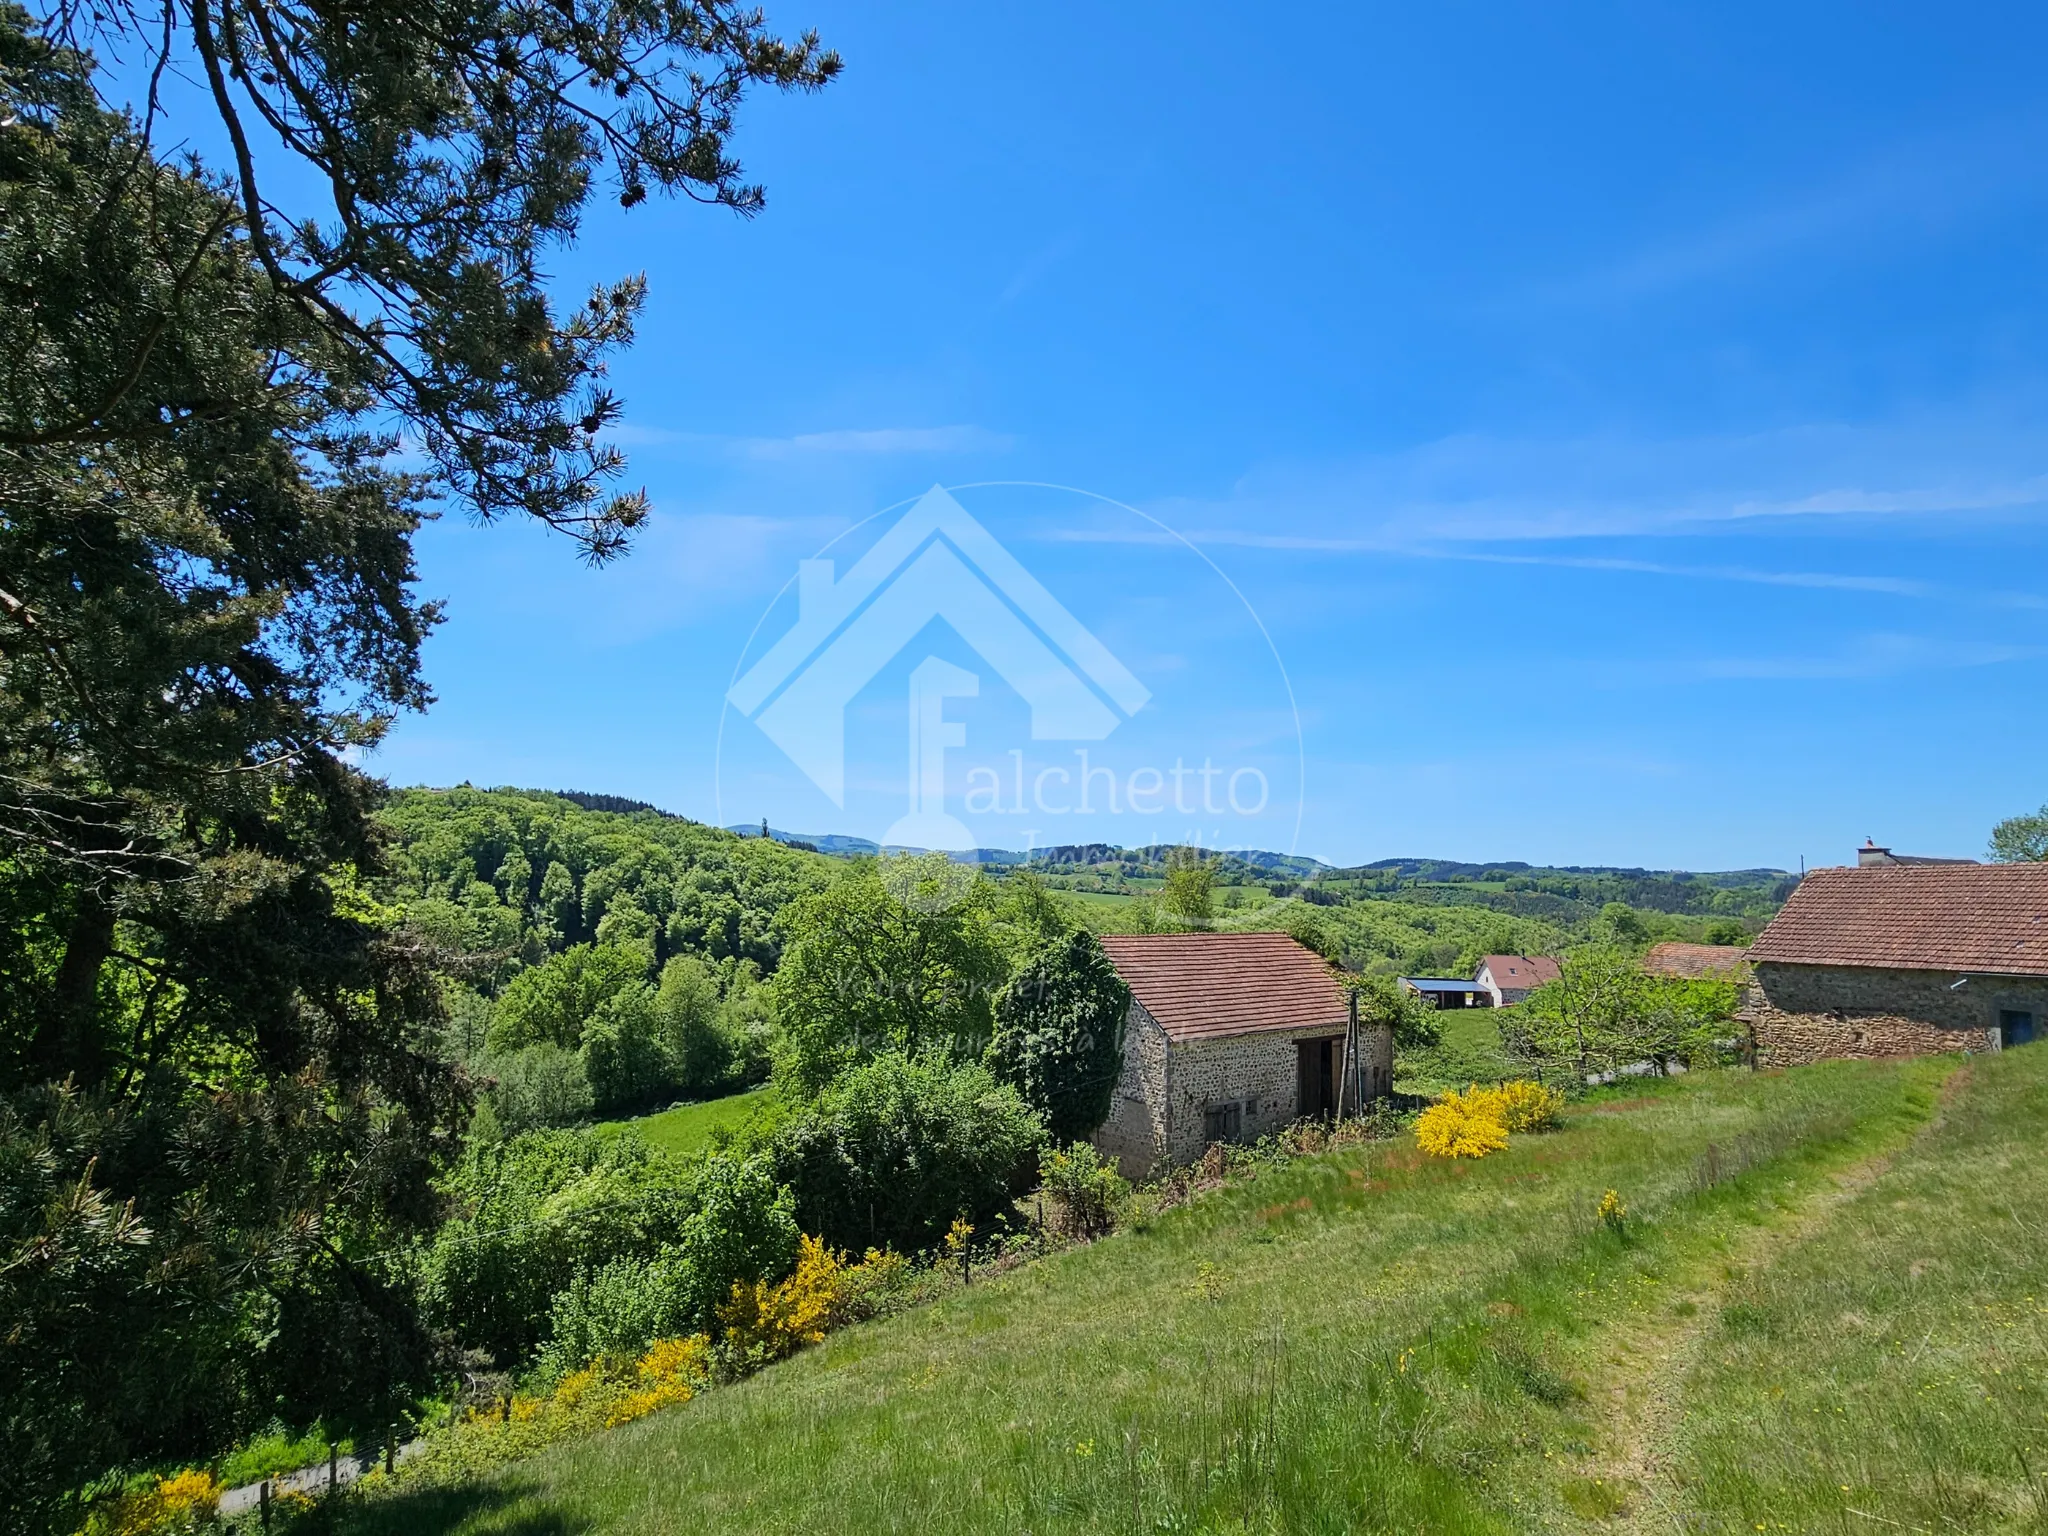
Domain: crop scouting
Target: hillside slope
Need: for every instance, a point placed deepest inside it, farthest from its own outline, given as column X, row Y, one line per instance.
column 1368, row 1341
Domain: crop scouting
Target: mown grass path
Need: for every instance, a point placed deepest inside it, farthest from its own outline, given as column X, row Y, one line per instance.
column 1364, row 1341
column 1640, row 1377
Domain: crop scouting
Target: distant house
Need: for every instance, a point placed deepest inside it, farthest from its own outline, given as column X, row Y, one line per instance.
column 1901, row 959
column 1448, row 991
column 1870, row 856
column 1229, row 1036
column 1511, row 978
column 1696, row 962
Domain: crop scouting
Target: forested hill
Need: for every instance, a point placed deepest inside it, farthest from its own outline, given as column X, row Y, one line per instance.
column 529, row 873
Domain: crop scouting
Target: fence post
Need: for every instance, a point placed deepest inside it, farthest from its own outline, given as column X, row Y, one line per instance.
column 333, row 1467
column 263, row 1501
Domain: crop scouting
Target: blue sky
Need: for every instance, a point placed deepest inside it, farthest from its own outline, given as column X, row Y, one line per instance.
column 1626, row 421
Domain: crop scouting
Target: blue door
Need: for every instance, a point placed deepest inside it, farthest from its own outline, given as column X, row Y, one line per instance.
column 2015, row 1026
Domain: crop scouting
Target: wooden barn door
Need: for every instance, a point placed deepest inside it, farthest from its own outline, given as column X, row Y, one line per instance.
column 1317, row 1063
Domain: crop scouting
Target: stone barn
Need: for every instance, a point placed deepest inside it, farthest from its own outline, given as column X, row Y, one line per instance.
column 1229, row 1036
column 1901, row 959
column 1697, row 962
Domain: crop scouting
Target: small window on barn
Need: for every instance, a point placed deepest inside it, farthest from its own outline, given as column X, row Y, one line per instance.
column 1222, row 1122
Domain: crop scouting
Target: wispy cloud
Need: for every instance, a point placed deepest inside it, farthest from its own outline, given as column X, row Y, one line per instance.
column 958, row 439
column 869, row 441
column 1902, row 192
column 1987, row 462
column 1880, row 655
column 1035, row 267
column 1840, row 581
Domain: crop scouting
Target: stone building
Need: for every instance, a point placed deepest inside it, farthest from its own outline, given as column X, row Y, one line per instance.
column 1696, row 962
column 1901, row 959
column 1229, row 1036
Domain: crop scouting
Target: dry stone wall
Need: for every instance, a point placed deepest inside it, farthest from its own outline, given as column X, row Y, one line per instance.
column 1806, row 1013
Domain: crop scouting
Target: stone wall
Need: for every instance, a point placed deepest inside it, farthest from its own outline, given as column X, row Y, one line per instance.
column 1135, row 1132
column 1804, row 1013
column 1160, row 1112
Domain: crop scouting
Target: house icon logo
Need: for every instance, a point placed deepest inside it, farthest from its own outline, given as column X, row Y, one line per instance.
column 937, row 562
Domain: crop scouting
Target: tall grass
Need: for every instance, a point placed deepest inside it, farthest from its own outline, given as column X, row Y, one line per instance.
column 1367, row 1340
column 1891, row 1371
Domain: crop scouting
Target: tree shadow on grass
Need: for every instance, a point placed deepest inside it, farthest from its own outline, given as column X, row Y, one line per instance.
column 499, row 1508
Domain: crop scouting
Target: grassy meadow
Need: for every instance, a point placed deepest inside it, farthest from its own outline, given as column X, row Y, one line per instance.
column 1820, row 1314
column 687, row 1128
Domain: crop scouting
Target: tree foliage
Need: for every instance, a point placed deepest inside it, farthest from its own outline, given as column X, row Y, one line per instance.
column 1059, row 1034
column 451, row 145
column 1189, row 891
column 900, row 955
column 534, row 874
column 551, row 1226
column 1603, row 1014
column 2021, row 839
column 223, row 1090
column 1416, row 1024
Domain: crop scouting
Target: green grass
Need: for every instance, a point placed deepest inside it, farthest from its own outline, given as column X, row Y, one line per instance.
column 1895, row 1363
column 1470, row 1053
column 1363, row 1341
column 687, row 1128
column 1097, row 898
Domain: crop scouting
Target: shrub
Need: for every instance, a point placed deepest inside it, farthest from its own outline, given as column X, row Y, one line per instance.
column 767, row 1322
column 742, row 1230
column 615, row 1312
column 537, row 1212
column 1521, row 1105
column 547, row 1213
column 1612, row 1214
column 1087, row 1187
column 1417, row 1025
column 884, row 1281
column 1455, row 1127
column 185, row 1501
column 600, row 1396
column 672, row 1371
column 896, row 1148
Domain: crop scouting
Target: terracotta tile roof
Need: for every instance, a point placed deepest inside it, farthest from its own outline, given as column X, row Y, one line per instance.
column 1520, row 973
column 1695, row 960
column 1916, row 917
column 1205, row 986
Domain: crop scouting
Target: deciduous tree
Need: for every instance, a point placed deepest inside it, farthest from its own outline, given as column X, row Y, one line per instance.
column 2021, row 839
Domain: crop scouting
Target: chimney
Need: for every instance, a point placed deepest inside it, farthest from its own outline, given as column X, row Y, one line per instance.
column 1870, row 854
